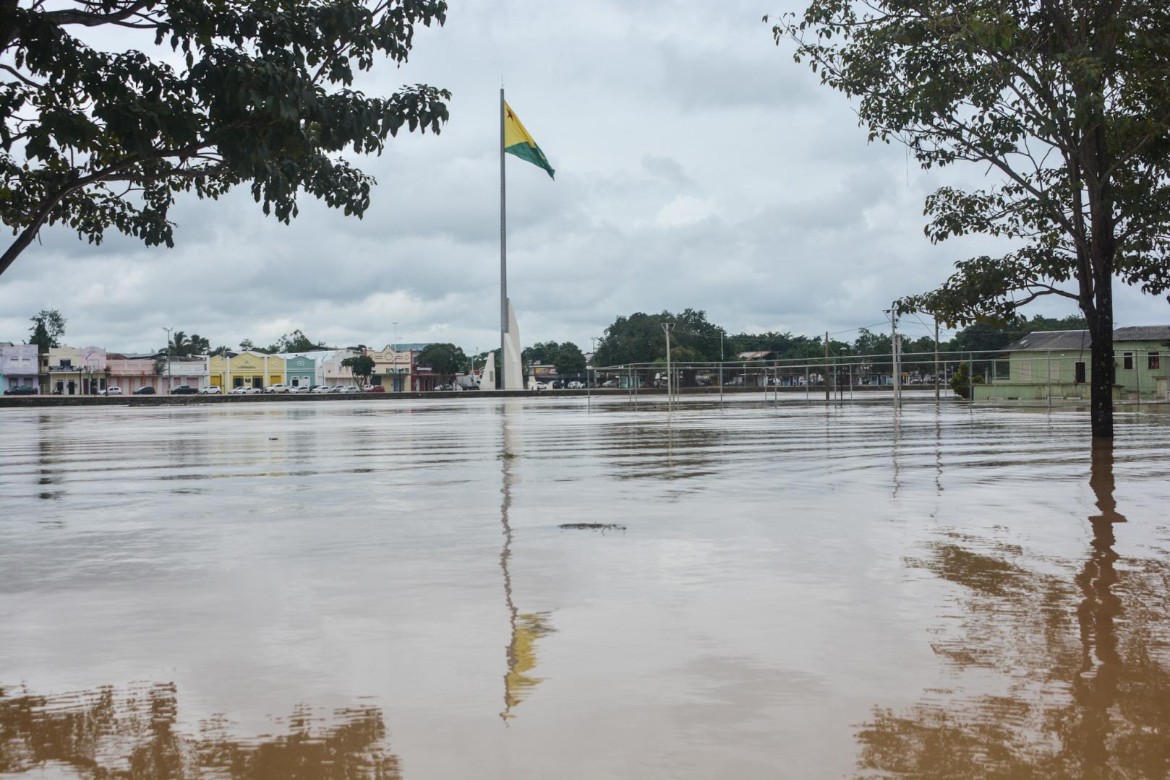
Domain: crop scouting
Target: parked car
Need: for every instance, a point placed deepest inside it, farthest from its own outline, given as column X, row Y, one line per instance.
column 148, row 390
column 114, row 390
column 299, row 389
column 321, row 389
column 21, row 390
column 351, row 389
column 375, row 389
column 209, row 390
column 242, row 390
column 277, row 388
column 184, row 390
column 575, row 385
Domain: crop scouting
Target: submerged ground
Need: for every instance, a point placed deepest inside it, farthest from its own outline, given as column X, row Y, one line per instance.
column 583, row 588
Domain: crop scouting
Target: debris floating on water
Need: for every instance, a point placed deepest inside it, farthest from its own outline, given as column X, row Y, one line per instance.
column 591, row 527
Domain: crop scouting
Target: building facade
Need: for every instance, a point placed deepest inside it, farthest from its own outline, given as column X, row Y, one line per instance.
column 19, row 366
column 76, row 371
column 300, row 370
column 245, row 369
column 392, row 368
column 1057, row 365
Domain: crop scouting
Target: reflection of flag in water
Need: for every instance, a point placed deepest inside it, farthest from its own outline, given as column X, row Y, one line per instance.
column 526, row 629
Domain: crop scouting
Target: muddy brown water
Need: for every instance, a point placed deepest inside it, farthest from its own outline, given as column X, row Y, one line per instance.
column 536, row 588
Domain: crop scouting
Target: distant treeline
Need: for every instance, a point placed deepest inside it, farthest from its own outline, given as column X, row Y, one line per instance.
column 640, row 338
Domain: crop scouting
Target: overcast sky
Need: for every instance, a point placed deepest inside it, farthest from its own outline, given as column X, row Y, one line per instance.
column 697, row 166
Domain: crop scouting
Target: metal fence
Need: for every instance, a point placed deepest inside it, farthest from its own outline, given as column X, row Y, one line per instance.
column 979, row 377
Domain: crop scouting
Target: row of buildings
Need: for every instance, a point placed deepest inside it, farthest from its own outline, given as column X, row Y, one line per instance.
column 91, row 370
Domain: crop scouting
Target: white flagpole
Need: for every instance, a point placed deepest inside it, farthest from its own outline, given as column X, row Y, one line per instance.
column 503, row 258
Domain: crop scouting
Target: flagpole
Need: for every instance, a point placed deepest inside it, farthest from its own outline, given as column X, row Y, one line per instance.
column 503, row 260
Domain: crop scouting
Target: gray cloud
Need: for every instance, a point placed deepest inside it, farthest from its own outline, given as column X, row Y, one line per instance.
column 697, row 166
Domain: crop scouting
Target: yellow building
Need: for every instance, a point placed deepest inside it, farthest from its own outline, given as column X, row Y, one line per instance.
column 246, row 369
column 392, row 367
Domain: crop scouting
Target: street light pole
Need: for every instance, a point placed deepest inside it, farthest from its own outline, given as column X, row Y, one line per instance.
column 170, row 379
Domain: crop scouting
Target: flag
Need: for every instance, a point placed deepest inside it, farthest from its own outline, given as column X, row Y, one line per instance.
column 517, row 141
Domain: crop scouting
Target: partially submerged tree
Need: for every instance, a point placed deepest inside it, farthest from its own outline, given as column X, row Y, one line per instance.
column 216, row 94
column 1067, row 101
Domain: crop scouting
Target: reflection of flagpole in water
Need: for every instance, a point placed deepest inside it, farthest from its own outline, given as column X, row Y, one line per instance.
column 1095, row 688
column 525, row 628
column 506, row 456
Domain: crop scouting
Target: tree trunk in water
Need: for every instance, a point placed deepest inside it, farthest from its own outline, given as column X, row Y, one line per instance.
column 1101, row 395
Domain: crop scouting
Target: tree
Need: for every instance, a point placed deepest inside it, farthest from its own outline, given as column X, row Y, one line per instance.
column 295, row 342
column 1066, row 101
column 47, row 330
column 640, row 338
column 362, row 367
column 569, row 360
column 443, row 359
column 182, row 345
column 544, row 352
column 634, row 339
column 261, row 93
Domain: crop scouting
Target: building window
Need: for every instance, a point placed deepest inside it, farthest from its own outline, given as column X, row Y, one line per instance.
column 1080, row 373
column 1127, row 361
column 1154, row 361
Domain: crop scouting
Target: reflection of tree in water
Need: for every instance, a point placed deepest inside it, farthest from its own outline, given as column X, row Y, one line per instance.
column 104, row 733
column 664, row 451
column 1087, row 667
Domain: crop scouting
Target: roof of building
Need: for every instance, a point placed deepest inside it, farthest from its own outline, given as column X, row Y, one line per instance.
column 1048, row 340
column 1143, row 333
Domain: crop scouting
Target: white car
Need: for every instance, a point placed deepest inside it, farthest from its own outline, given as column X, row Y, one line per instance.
column 575, row 385
column 351, row 389
column 322, row 389
column 279, row 388
column 299, row 389
column 209, row 390
column 115, row 390
column 245, row 390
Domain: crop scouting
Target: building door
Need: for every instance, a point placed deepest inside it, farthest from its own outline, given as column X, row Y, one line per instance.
column 1080, row 373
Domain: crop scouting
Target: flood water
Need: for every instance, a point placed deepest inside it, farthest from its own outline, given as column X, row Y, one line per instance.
column 389, row 590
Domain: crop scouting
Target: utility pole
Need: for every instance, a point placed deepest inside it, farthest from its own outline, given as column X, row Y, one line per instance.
column 936, row 361
column 170, row 380
column 894, row 356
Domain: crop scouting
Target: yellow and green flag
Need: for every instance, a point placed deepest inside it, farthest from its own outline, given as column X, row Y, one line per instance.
column 517, row 141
